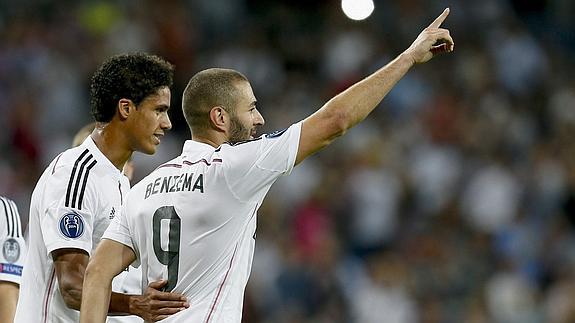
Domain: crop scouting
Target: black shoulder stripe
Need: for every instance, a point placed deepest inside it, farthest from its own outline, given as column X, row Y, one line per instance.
column 8, row 222
column 81, row 173
column 16, row 223
column 81, row 198
column 72, row 177
column 13, row 220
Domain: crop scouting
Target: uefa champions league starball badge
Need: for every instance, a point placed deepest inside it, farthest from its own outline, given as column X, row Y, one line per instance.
column 11, row 250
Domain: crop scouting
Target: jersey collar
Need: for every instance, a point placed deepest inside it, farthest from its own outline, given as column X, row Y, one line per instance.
column 192, row 145
column 98, row 155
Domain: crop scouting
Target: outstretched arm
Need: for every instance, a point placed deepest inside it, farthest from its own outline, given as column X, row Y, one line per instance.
column 354, row 104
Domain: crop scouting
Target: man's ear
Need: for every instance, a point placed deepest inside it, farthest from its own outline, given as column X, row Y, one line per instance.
column 125, row 108
column 219, row 118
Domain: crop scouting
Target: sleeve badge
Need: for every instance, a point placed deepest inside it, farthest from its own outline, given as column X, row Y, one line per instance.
column 72, row 225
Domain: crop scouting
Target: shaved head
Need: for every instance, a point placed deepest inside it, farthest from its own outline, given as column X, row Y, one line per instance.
column 207, row 89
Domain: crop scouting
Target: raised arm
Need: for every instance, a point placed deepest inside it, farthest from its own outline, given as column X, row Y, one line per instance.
column 350, row 107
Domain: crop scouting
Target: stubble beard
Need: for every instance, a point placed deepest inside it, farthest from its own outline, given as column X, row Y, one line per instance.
column 238, row 132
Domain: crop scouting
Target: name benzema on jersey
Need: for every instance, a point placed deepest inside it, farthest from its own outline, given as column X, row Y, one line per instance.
column 175, row 183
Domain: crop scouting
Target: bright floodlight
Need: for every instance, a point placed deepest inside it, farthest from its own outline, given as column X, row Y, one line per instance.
column 357, row 9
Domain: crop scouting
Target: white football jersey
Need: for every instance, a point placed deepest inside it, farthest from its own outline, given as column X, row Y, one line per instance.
column 12, row 242
column 192, row 221
column 73, row 203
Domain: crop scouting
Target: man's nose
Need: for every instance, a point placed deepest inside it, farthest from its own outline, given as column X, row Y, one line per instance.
column 166, row 124
column 259, row 120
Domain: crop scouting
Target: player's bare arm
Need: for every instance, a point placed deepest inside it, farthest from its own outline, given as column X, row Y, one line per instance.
column 8, row 300
column 70, row 266
column 102, row 268
column 354, row 104
column 98, row 280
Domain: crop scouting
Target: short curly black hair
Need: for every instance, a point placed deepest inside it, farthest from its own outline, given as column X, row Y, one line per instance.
column 127, row 76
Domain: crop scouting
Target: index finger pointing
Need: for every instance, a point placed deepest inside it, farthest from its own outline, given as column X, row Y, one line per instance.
column 437, row 22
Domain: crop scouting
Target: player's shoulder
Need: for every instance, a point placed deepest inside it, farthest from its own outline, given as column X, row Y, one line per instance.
column 251, row 148
column 250, row 144
column 168, row 166
column 74, row 165
column 9, row 217
column 66, row 160
column 239, row 145
column 171, row 166
column 4, row 199
column 232, row 153
column 8, row 207
column 79, row 159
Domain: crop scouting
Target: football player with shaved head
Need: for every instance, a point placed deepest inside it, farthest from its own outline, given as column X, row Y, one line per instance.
column 192, row 221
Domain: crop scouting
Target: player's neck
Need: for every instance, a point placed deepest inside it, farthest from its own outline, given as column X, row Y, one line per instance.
column 214, row 139
column 112, row 145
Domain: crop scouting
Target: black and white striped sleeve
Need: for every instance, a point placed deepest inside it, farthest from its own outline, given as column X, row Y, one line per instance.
column 11, row 241
column 10, row 219
column 68, row 222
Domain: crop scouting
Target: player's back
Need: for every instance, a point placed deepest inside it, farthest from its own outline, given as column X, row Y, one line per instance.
column 192, row 221
column 193, row 231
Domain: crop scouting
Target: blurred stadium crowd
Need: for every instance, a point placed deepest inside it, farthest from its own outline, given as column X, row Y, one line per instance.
column 453, row 202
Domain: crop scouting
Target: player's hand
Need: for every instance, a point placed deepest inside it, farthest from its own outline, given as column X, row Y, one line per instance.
column 432, row 41
column 156, row 305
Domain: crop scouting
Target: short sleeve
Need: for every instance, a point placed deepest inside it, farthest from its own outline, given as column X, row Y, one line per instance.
column 12, row 242
column 68, row 221
column 119, row 231
column 251, row 167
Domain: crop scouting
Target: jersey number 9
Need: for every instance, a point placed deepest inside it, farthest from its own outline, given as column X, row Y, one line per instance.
column 168, row 257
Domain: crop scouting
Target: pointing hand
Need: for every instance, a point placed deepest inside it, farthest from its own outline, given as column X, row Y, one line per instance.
column 431, row 41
